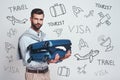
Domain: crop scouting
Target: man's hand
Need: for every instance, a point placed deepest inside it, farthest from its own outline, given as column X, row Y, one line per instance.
column 67, row 55
column 57, row 57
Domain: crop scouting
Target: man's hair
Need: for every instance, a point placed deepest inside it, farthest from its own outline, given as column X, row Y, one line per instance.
column 37, row 11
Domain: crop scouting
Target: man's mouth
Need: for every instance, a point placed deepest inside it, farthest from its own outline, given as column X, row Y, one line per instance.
column 38, row 25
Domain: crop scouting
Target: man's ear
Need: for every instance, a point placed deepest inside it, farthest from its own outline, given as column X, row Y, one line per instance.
column 30, row 18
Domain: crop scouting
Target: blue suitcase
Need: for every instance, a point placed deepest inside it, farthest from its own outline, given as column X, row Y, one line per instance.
column 46, row 50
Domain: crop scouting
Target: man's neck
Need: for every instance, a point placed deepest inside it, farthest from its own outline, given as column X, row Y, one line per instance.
column 36, row 30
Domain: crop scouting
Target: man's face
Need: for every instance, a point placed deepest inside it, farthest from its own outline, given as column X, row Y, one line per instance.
column 37, row 21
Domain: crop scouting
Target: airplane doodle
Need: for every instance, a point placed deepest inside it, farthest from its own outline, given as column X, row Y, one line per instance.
column 81, row 69
column 14, row 20
column 104, row 19
column 89, row 56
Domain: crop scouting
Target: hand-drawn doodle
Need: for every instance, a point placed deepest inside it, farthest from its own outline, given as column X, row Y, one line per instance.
column 10, row 58
column 104, row 19
column 89, row 56
column 77, row 10
column 57, row 10
column 58, row 31
column 82, row 44
column 63, row 71
column 11, row 32
column 8, row 47
column 103, row 6
column 105, row 42
column 91, row 12
column 57, row 23
column 106, row 62
column 101, row 73
column 18, row 8
column 82, row 69
column 11, row 69
column 79, row 29
column 14, row 20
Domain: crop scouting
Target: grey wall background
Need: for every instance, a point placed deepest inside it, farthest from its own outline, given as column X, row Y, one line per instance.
column 91, row 25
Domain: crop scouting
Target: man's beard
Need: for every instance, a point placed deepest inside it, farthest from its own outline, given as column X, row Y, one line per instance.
column 36, row 27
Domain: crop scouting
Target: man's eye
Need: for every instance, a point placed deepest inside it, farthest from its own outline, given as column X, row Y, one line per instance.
column 36, row 19
column 41, row 19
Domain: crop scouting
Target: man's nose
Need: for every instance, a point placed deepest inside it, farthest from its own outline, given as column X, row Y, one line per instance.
column 38, row 21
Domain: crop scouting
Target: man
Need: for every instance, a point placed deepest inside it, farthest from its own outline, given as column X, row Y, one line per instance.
column 35, row 70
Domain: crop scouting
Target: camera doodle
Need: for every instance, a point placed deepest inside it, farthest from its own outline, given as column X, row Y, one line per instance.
column 104, row 19
column 58, row 31
column 77, row 10
column 14, row 20
column 11, row 32
column 8, row 47
column 82, row 44
column 57, row 10
column 89, row 56
column 105, row 42
column 82, row 69
column 63, row 71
